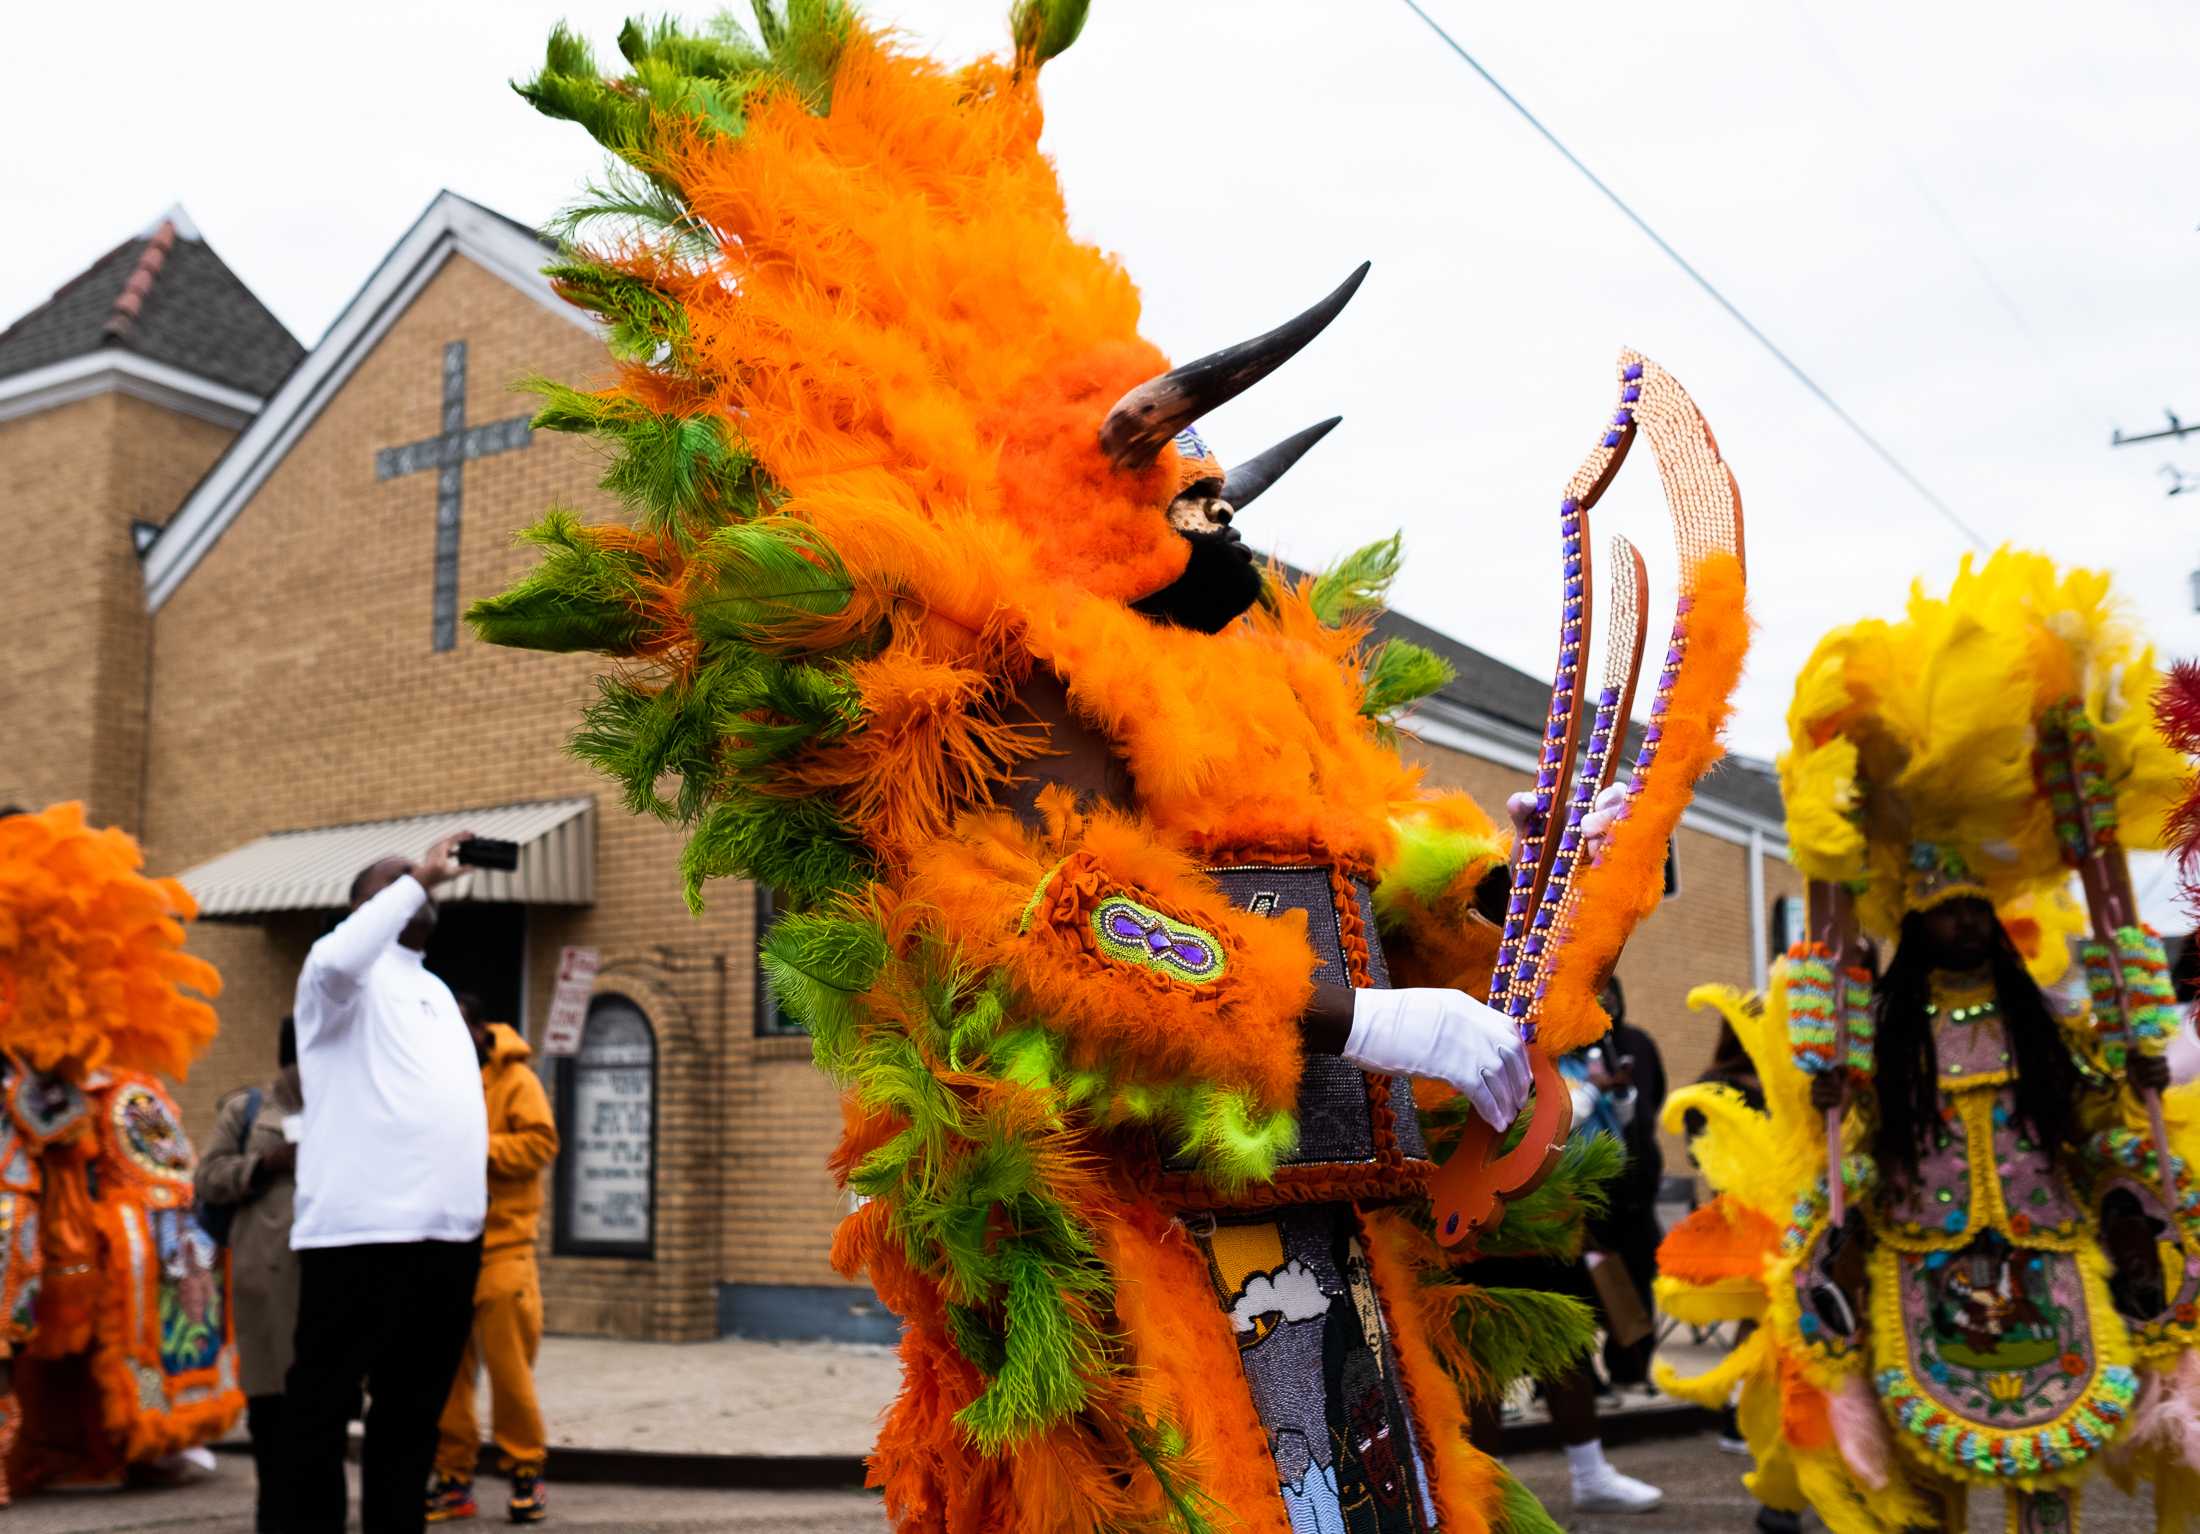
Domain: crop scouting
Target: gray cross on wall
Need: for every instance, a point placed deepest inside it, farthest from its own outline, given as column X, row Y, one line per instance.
column 447, row 453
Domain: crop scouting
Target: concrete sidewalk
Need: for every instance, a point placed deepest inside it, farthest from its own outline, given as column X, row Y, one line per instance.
column 729, row 1397
column 804, row 1414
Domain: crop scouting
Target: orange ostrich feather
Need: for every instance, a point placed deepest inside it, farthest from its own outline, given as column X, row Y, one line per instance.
column 1720, row 1240
column 92, row 967
column 903, row 319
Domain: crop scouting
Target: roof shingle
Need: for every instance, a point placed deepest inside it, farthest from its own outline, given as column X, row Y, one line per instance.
column 185, row 308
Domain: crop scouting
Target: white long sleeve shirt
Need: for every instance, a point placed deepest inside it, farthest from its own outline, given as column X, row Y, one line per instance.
column 396, row 1139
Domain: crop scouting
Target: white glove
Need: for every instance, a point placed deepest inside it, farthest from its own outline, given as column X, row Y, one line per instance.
column 1449, row 1037
column 1596, row 826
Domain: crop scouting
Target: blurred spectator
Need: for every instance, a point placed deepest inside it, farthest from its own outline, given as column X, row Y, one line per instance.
column 1627, row 1068
column 523, row 1140
column 248, row 1172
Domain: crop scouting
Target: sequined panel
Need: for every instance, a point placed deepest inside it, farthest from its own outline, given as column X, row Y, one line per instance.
column 1336, row 1120
column 1321, row 1369
column 192, row 1326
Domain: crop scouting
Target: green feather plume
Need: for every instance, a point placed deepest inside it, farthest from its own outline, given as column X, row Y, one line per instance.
column 642, row 321
column 682, row 475
column 798, row 847
column 1550, row 1221
column 819, row 967
column 1043, row 29
column 581, row 596
column 1518, row 1511
column 1522, row 1333
column 1359, row 582
column 1400, row 674
column 756, row 582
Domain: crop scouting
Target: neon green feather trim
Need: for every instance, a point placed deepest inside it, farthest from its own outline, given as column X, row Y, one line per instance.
column 1429, row 860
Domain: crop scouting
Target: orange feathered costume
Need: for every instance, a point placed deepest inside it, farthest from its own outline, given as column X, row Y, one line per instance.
column 874, row 606
column 113, row 1303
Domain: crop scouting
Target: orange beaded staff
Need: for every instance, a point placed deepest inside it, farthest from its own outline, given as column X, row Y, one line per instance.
column 1570, row 914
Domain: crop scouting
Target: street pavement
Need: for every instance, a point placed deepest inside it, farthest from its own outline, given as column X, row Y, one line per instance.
column 1703, row 1492
column 224, row 1506
column 1702, row 1486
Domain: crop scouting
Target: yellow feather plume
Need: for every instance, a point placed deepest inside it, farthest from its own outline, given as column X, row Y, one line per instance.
column 1922, row 732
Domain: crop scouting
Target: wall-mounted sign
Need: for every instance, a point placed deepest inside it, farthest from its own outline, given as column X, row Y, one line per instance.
column 561, row 1031
column 607, row 1111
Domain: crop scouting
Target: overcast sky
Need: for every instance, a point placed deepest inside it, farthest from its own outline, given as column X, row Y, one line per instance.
column 1972, row 225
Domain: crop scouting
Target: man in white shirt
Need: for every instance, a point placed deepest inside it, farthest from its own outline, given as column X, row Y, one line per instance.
column 391, row 1192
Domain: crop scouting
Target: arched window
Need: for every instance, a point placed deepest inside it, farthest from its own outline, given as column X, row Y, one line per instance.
column 607, row 1133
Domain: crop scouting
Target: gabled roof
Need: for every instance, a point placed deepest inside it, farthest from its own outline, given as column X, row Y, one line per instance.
column 166, row 297
column 451, row 225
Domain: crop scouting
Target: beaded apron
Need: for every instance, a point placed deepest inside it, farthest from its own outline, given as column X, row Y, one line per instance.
column 1987, row 1323
column 1310, row 1329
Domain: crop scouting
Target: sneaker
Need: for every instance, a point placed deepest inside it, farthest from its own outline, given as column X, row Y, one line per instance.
column 1730, row 1443
column 450, row 1499
column 530, row 1502
column 1607, row 1491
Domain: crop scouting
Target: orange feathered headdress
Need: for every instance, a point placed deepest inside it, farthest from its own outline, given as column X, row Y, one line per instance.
column 888, row 427
column 92, row 967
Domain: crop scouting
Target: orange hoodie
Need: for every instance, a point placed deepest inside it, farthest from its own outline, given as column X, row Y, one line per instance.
column 523, row 1137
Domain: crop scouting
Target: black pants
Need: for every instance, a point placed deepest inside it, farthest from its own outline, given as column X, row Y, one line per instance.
column 1631, row 1234
column 396, row 1319
column 267, row 1418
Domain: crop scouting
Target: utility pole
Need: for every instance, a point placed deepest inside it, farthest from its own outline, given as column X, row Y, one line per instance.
column 2176, row 429
column 2180, row 482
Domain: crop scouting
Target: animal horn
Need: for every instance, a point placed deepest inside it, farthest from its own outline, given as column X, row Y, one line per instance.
column 1144, row 419
column 1245, row 483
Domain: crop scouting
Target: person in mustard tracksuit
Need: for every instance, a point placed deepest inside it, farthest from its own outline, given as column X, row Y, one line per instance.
column 523, row 1138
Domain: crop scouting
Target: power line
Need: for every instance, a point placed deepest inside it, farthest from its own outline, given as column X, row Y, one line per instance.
column 1828, row 57
column 1794, row 369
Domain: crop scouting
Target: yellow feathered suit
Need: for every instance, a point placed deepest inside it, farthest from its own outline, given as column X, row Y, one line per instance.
column 1927, row 761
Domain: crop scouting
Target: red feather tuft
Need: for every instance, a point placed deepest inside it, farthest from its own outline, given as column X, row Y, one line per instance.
column 2177, row 709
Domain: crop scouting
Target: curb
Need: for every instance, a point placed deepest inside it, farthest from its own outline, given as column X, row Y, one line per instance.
column 697, row 1472
column 644, row 1467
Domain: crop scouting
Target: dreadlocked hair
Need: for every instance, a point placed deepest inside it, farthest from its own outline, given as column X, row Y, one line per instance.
column 1908, row 1080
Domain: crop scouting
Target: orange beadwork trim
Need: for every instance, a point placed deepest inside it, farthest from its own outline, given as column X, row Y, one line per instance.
column 1305, row 855
column 1359, row 962
column 196, row 1409
column 1350, row 1182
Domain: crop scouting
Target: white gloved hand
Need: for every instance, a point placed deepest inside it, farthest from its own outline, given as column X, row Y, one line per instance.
column 1520, row 809
column 1449, row 1037
column 1604, row 813
column 1596, row 826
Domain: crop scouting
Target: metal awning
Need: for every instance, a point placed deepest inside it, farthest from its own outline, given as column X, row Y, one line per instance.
column 312, row 870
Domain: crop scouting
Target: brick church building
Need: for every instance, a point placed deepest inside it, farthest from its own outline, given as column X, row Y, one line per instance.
column 233, row 624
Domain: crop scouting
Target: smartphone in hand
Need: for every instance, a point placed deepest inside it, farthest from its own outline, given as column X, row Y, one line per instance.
column 487, row 852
